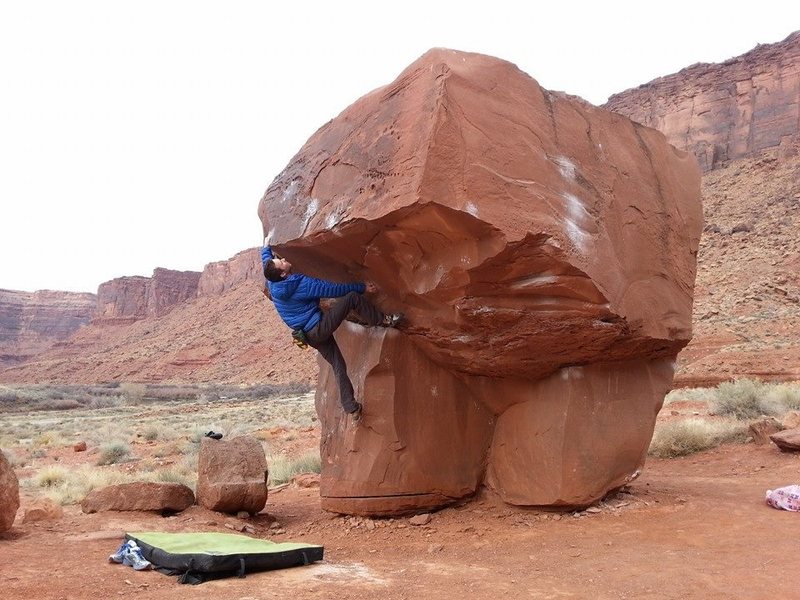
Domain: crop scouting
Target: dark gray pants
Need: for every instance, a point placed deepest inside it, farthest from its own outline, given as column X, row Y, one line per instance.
column 321, row 338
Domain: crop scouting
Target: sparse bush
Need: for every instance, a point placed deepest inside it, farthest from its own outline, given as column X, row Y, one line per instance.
column 48, row 438
column 743, row 399
column 689, row 394
column 59, row 404
column 79, row 482
column 134, row 393
column 152, row 433
column 786, row 395
column 105, row 402
column 282, row 468
column 113, row 453
column 8, row 395
column 51, row 477
column 177, row 475
column 687, row 436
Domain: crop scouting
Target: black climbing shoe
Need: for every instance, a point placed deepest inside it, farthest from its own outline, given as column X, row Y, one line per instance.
column 214, row 435
column 391, row 320
column 355, row 416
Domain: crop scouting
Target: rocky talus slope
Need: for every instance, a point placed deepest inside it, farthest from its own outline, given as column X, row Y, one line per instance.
column 747, row 295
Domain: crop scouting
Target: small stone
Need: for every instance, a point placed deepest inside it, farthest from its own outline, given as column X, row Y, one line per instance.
column 79, row 446
column 593, row 510
column 243, row 514
column 275, row 525
column 420, row 520
column 433, row 548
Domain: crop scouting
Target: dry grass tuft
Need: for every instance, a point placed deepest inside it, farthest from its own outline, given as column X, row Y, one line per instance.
column 687, row 436
column 51, row 477
column 113, row 453
column 283, row 468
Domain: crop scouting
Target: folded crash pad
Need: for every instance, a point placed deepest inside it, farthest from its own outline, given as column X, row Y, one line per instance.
column 197, row 557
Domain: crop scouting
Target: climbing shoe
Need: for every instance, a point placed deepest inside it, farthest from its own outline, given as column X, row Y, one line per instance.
column 391, row 320
column 355, row 416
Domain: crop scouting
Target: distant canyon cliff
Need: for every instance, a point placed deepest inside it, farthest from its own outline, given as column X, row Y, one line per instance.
column 31, row 322
column 725, row 111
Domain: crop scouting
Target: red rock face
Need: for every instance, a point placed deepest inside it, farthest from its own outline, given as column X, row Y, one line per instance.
column 724, row 111
column 9, row 494
column 128, row 299
column 543, row 251
column 218, row 277
column 32, row 322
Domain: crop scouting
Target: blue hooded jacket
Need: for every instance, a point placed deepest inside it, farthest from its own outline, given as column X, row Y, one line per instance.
column 296, row 298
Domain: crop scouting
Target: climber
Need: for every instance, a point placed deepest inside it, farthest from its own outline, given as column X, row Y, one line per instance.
column 296, row 298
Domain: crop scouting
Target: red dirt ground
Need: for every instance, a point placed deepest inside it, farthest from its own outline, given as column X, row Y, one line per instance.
column 695, row 527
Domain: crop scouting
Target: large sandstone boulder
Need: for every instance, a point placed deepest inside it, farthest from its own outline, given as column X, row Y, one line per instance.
column 9, row 494
column 139, row 495
column 544, row 252
column 232, row 475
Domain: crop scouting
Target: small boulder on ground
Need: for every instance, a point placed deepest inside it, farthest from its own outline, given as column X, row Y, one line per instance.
column 232, row 475
column 420, row 520
column 9, row 494
column 791, row 420
column 788, row 440
column 79, row 446
column 139, row 495
column 306, row 480
column 763, row 428
column 42, row 509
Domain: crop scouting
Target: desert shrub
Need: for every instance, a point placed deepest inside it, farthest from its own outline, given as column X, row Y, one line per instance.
column 282, row 468
column 113, row 452
column 266, row 390
column 59, row 404
column 743, row 399
column 786, row 395
column 691, row 394
column 79, row 482
column 48, row 438
column 180, row 474
column 105, row 402
column 687, row 436
column 134, row 393
column 51, row 477
column 153, row 432
column 197, row 434
column 8, row 395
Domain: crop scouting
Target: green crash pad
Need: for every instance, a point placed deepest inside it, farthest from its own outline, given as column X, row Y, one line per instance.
column 201, row 556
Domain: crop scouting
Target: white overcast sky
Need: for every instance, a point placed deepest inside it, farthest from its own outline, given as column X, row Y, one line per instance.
column 142, row 134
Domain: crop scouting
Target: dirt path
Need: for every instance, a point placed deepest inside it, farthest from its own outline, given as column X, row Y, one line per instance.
column 689, row 528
